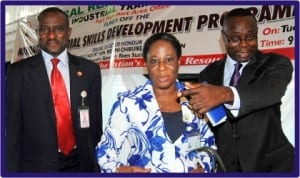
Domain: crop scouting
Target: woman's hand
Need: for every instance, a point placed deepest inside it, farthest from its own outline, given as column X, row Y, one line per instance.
column 199, row 169
column 130, row 169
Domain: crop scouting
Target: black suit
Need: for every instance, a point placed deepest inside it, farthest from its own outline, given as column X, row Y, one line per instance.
column 255, row 137
column 31, row 139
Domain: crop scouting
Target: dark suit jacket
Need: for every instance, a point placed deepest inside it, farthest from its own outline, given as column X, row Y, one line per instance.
column 255, row 136
column 31, row 141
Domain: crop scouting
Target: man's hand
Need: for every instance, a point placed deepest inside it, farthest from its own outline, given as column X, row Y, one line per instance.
column 130, row 169
column 205, row 96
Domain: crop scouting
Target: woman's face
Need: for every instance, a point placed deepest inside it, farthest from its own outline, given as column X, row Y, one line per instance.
column 162, row 64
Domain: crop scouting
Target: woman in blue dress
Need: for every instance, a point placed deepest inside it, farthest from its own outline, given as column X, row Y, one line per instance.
column 150, row 129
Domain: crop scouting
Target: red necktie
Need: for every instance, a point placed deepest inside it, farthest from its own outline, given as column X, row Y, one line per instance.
column 65, row 131
column 236, row 75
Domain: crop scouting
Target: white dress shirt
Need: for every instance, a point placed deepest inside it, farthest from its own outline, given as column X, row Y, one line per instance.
column 63, row 67
column 228, row 71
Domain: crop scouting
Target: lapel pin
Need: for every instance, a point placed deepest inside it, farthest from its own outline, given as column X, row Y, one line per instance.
column 79, row 73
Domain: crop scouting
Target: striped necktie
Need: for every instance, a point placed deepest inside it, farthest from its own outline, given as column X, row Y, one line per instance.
column 236, row 75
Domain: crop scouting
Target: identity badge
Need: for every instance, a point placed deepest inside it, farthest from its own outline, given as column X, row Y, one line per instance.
column 84, row 117
column 194, row 140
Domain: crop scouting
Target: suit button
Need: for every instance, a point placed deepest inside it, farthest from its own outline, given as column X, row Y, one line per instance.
column 55, row 160
column 236, row 136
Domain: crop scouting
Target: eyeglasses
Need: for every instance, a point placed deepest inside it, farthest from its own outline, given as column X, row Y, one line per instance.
column 56, row 29
column 236, row 39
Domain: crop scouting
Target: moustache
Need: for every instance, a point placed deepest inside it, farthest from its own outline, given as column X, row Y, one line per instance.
column 52, row 41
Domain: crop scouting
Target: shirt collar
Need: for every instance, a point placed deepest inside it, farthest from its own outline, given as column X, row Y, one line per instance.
column 230, row 62
column 63, row 57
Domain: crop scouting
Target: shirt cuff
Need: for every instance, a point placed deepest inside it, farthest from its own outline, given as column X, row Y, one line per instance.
column 235, row 106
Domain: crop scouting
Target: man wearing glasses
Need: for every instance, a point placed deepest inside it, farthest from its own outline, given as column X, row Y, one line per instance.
column 250, row 85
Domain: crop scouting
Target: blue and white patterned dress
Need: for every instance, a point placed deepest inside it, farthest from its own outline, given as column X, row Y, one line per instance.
column 135, row 135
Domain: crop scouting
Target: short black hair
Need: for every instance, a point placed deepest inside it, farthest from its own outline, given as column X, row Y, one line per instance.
column 161, row 36
column 53, row 9
column 237, row 13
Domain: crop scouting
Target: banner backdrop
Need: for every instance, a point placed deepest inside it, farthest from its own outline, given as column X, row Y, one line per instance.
column 113, row 37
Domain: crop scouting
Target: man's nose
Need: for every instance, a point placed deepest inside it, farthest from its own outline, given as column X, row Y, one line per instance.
column 51, row 34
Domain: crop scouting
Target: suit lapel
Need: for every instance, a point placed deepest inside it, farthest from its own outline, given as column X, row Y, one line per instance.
column 77, row 76
column 250, row 71
column 220, row 75
column 39, row 76
column 214, row 73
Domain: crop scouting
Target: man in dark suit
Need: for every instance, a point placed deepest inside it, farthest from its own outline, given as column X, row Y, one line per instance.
column 251, row 139
column 31, row 110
